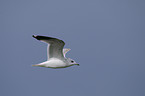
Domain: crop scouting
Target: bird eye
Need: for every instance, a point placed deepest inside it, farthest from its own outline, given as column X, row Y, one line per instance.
column 72, row 61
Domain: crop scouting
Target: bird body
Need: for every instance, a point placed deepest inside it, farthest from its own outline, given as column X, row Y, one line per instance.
column 55, row 53
column 53, row 63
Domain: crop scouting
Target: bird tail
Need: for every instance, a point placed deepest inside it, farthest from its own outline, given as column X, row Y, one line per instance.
column 35, row 65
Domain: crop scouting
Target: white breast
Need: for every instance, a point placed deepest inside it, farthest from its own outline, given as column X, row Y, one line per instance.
column 54, row 62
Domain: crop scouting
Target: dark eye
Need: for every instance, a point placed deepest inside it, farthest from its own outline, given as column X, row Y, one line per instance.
column 72, row 61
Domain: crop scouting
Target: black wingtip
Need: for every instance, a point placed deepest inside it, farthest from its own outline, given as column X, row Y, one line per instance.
column 36, row 37
column 44, row 38
column 33, row 35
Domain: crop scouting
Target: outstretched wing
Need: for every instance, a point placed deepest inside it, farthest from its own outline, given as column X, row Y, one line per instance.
column 65, row 50
column 55, row 46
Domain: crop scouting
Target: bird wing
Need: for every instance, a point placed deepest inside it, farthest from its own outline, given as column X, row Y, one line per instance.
column 55, row 46
column 65, row 50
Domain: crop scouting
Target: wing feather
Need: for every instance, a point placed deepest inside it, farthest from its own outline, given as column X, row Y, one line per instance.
column 65, row 50
column 55, row 46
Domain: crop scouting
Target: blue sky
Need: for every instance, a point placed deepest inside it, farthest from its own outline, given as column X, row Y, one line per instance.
column 106, row 37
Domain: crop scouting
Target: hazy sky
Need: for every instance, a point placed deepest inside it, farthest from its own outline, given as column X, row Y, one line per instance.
column 106, row 37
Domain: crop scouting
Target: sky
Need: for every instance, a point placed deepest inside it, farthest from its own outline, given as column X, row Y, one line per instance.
column 106, row 37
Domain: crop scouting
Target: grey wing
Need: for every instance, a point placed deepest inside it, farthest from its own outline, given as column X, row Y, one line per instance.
column 55, row 46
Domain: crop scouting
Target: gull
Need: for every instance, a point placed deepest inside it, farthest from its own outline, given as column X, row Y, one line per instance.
column 56, row 55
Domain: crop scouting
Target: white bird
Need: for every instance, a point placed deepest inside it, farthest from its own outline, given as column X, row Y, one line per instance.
column 55, row 53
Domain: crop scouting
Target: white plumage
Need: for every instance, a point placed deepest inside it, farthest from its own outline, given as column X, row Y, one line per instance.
column 55, row 53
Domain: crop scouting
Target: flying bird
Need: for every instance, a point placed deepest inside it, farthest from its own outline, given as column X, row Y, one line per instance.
column 55, row 53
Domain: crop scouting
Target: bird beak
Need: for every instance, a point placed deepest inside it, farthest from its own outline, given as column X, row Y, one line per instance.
column 77, row 64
